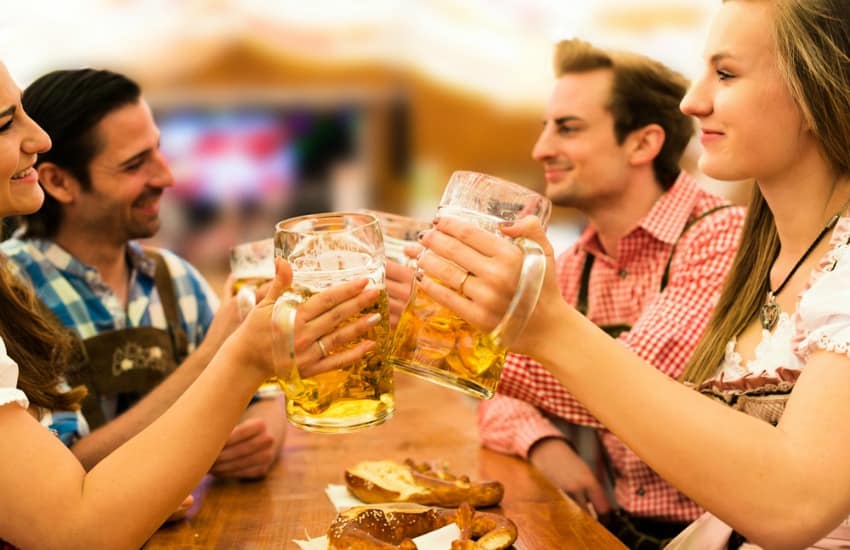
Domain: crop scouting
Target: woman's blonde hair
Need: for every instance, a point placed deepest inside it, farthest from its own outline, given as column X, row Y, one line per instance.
column 813, row 51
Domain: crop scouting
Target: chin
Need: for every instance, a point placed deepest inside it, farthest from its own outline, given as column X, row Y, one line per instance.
column 720, row 170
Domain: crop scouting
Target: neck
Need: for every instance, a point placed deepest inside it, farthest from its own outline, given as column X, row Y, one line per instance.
column 613, row 219
column 803, row 200
column 109, row 258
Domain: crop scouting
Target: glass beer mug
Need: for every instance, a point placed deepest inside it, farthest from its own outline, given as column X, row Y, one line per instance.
column 430, row 340
column 252, row 265
column 399, row 231
column 326, row 250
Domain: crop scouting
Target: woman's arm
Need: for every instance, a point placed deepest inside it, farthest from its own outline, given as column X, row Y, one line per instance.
column 49, row 501
column 780, row 486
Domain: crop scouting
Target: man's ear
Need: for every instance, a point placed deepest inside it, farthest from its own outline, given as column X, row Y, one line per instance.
column 644, row 144
column 58, row 182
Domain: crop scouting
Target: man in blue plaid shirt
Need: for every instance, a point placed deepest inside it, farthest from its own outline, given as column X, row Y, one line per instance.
column 145, row 319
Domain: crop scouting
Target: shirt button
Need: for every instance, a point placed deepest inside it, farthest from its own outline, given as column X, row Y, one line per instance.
column 623, row 273
column 640, row 491
column 91, row 276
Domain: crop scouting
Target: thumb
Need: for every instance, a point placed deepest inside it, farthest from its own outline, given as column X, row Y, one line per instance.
column 530, row 228
column 282, row 280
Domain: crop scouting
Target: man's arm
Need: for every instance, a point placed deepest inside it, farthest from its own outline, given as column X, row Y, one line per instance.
column 515, row 427
column 254, row 445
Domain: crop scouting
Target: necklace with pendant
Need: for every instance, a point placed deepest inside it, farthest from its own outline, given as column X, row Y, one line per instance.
column 770, row 310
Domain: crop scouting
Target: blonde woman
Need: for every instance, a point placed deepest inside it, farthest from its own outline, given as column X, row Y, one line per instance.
column 763, row 443
column 47, row 499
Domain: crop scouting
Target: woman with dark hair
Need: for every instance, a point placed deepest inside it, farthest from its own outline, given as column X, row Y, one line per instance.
column 47, row 498
column 763, row 444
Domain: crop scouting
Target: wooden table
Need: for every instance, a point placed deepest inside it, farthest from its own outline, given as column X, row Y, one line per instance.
column 430, row 423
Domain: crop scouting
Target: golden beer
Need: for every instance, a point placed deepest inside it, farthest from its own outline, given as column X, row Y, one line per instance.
column 250, row 282
column 325, row 250
column 349, row 398
column 432, row 342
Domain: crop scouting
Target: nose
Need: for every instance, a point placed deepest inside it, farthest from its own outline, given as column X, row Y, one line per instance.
column 697, row 100
column 35, row 139
column 543, row 148
column 161, row 176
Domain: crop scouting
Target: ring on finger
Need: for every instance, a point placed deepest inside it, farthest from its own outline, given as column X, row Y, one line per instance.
column 463, row 282
column 322, row 348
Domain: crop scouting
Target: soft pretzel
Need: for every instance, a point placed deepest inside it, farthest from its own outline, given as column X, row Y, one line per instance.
column 392, row 526
column 390, row 481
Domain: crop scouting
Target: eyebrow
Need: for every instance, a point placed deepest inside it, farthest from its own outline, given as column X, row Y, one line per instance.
column 134, row 158
column 719, row 56
column 9, row 112
column 568, row 118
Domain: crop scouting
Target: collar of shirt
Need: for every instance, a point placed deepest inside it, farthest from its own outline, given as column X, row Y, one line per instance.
column 142, row 271
column 665, row 221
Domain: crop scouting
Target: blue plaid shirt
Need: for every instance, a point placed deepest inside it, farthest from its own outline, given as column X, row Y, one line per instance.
column 78, row 296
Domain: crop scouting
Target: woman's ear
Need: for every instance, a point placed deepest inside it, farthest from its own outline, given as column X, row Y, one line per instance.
column 58, row 183
column 645, row 144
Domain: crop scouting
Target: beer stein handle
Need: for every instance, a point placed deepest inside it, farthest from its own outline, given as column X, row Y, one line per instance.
column 527, row 293
column 283, row 335
column 246, row 299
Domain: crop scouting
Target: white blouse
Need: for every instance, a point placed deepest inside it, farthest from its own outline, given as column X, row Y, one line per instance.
column 9, row 392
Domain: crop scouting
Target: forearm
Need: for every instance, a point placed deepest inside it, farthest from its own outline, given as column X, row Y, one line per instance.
column 93, row 448
column 184, row 449
column 744, row 470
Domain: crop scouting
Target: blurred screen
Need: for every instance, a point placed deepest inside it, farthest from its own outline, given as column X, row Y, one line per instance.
column 240, row 169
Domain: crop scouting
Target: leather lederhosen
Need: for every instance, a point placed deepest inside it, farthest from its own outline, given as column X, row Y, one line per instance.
column 128, row 363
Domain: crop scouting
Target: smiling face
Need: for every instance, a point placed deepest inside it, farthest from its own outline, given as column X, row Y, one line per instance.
column 21, row 140
column 128, row 175
column 582, row 161
column 750, row 125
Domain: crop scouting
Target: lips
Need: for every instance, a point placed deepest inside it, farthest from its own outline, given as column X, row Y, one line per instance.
column 553, row 174
column 27, row 175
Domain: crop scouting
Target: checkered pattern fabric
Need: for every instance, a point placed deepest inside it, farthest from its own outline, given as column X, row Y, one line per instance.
column 666, row 326
column 78, row 296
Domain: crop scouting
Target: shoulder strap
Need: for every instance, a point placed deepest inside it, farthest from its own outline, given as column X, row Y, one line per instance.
column 168, row 298
column 584, row 283
column 666, row 277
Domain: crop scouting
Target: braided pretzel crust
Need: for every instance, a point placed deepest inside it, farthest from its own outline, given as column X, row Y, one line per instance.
column 392, row 526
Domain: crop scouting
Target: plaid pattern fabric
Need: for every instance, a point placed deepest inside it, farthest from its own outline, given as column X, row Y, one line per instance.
column 81, row 300
column 665, row 329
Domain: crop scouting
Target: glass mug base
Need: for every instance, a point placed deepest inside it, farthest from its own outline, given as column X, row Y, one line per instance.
column 444, row 378
column 374, row 413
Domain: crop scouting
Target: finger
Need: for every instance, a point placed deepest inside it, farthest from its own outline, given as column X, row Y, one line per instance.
column 332, row 318
column 181, row 511
column 328, row 299
column 412, row 250
column 578, row 497
column 246, row 299
column 597, row 498
column 397, row 272
column 473, row 236
column 282, row 280
column 473, row 312
column 228, row 285
column 245, row 430
column 340, row 337
column 399, row 290
column 340, row 359
column 530, row 228
column 246, row 473
column 250, row 450
column 248, row 466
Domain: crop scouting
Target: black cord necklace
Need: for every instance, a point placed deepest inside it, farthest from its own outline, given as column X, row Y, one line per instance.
column 770, row 310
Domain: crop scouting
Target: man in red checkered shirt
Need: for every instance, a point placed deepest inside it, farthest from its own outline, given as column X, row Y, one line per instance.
column 648, row 269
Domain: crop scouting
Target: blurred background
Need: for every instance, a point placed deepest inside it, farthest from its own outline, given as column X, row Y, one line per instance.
column 275, row 108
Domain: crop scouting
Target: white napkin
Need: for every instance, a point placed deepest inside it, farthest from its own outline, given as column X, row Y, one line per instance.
column 439, row 539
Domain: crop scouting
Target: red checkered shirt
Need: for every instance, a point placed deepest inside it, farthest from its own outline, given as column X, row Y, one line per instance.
column 666, row 326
